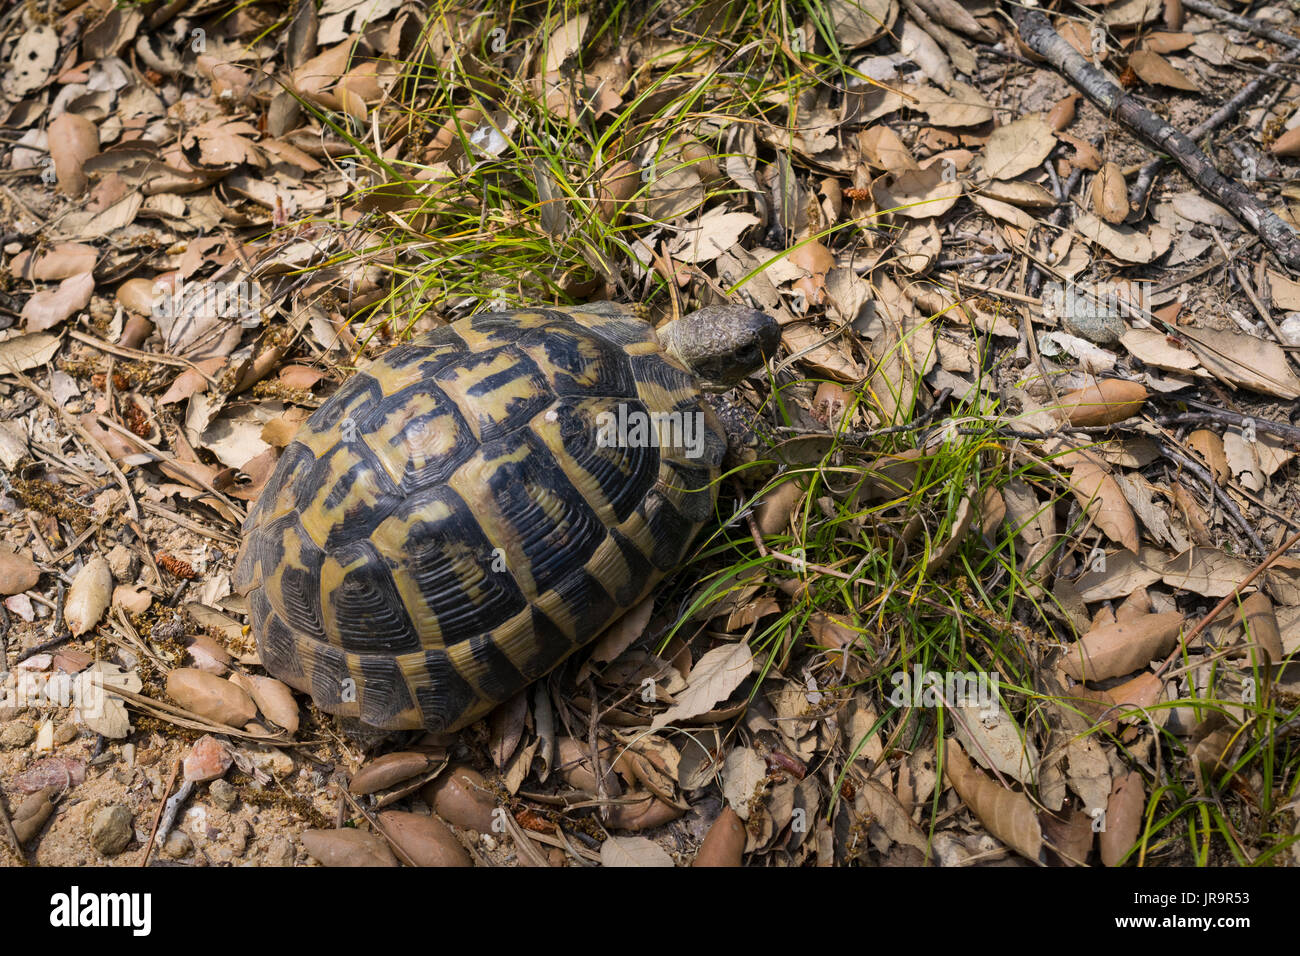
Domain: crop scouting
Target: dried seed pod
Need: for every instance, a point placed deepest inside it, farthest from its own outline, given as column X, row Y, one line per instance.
column 176, row 567
column 88, row 597
column 1110, row 194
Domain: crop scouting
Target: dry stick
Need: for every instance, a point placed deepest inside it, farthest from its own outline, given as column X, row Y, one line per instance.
column 1290, row 433
column 91, row 441
column 1146, row 177
column 1037, row 33
column 1281, row 549
column 162, row 804
column 1216, row 492
column 1243, row 23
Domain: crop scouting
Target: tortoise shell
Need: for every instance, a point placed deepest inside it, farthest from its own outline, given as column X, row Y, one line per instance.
column 455, row 520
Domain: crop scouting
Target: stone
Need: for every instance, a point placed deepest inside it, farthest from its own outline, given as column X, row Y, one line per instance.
column 279, row 852
column 66, row 732
column 223, row 795
column 17, row 733
column 208, row 759
column 111, row 829
column 177, row 845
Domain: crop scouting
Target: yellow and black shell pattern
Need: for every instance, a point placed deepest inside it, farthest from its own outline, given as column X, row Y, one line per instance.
column 452, row 523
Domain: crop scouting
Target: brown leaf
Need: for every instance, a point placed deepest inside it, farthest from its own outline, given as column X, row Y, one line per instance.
column 1124, row 813
column 1209, row 446
column 633, row 851
column 1114, row 650
column 1104, row 402
column 1288, row 144
column 1018, row 147
column 73, row 139
column 1062, row 114
column 387, row 771
column 426, row 841
column 1101, row 497
column 1110, row 194
column 48, row 308
column 724, row 844
column 1156, row 70
column 1256, row 615
column 1008, row 815
column 88, row 596
column 60, row 261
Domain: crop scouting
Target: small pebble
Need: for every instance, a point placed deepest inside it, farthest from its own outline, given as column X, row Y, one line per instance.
column 122, row 562
column 208, row 759
column 279, row 853
column 111, row 830
column 177, row 845
column 17, row 733
column 239, row 835
column 223, row 795
column 66, row 732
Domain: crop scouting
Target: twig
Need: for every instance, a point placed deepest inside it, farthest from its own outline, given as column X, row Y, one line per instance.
column 374, row 825
column 1282, row 430
column 173, row 806
column 49, row 645
column 1146, row 177
column 1218, row 609
column 162, row 805
column 1208, row 9
column 1243, row 279
column 122, row 351
column 95, row 445
column 1037, row 33
column 1222, row 497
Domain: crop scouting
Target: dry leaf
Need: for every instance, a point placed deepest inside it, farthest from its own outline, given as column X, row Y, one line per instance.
column 712, row 680
column 1018, row 147
column 1206, row 571
column 1007, row 815
column 1114, row 650
column 1104, row 402
column 1102, row 498
column 88, row 596
column 73, row 140
column 1125, row 242
column 743, row 772
column 1156, row 70
column 633, row 851
column 47, row 308
column 995, row 742
column 917, row 193
column 1124, row 811
column 1110, row 194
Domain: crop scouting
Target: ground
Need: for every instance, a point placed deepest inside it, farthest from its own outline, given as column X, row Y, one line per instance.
column 1011, row 552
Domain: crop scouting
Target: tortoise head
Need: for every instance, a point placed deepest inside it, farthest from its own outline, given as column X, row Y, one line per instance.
column 722, row 344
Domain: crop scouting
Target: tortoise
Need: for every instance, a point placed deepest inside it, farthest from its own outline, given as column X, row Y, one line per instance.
column 465, row 513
